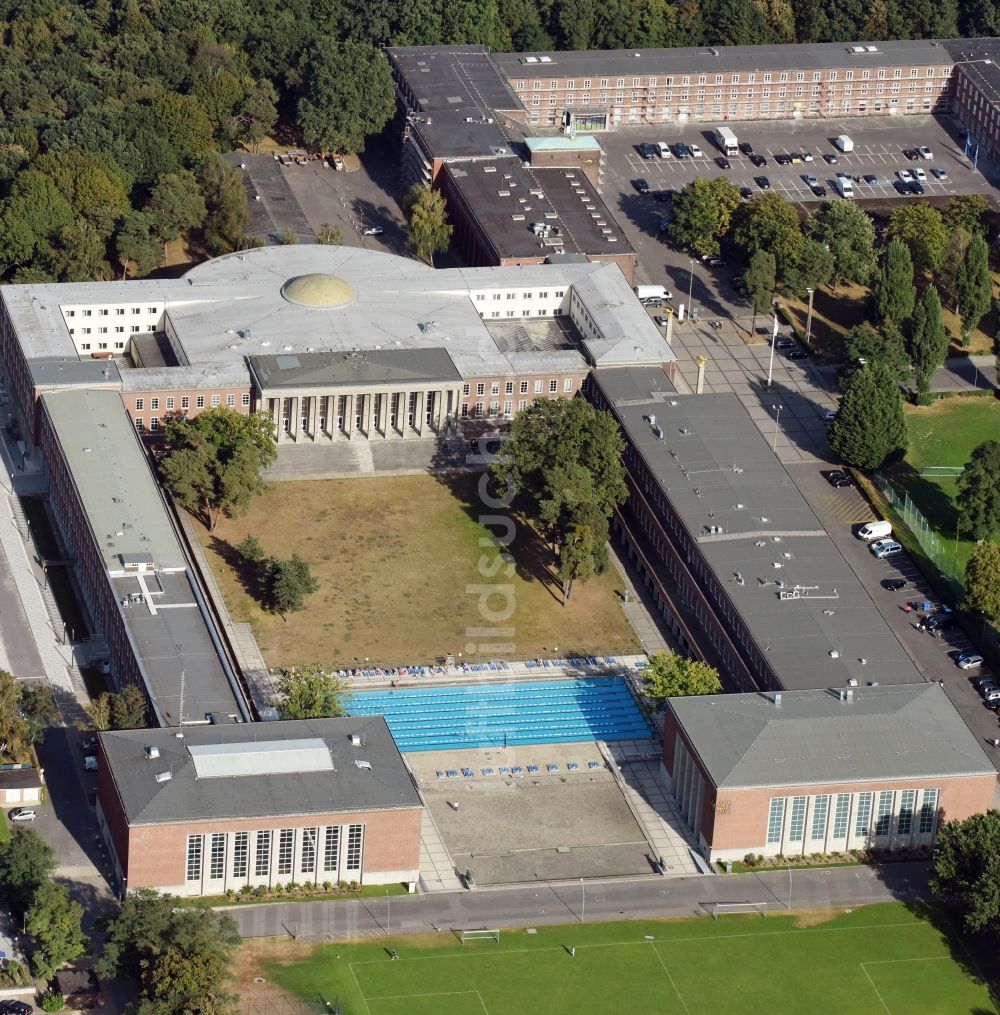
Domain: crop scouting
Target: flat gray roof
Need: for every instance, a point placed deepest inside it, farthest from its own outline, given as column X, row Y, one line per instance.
column 909, row 731
column 708, row 60
column 362, row 369
column 296, row 789
column 979, row 59
column 747, row 517
column 112, row 477
column 63, row 371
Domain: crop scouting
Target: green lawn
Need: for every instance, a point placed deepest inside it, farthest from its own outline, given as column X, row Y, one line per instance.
column 944, row 433
column 877, row 960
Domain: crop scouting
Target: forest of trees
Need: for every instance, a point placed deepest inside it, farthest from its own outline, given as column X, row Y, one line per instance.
column 113, row 114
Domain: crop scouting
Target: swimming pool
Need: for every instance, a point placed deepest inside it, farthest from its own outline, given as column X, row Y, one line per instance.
column 492, row 715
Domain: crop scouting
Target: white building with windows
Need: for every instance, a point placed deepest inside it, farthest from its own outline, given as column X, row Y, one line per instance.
column 213, row 808
column 822, row 771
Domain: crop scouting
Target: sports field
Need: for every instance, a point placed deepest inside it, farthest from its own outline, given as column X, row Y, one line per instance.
column 876, row 959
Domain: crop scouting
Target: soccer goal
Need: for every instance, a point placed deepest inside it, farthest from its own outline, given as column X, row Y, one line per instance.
column 718, row 909
column 480, row 935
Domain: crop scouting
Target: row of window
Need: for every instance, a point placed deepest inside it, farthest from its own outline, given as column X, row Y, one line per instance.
column 559, row 294
column 868, row 808
column 119, row 330
column 557, row 84
column 478, row 411
column 320, row 852
column 509, row 387
column 154, row 402
column 104, row 311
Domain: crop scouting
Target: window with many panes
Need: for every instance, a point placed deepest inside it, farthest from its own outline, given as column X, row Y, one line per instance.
column 538, row 387
column 246, row 397
column 230, row 400
column 797, row 822
column 199, row 401
column 524, row 387
column 216, row 401
column 170, row 401
column 568, row 384
column 307, row 861
column 864, row 815
column 821, row 805
column 928, row 811
column 139, row 404
column 217, row 856
column 841, row 815
column 355, row 835
column 241, row 854
column 480, row 389
column 775, row 818
column 194, row 858
column 553, row 386
column 286, row 846
column 508, row 388
column 906, row 801
column 185, row 401
column 262, row 855
column 331, row 849
column 883, row 817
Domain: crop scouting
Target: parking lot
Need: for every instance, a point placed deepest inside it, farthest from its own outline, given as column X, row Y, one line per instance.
column 879, row 147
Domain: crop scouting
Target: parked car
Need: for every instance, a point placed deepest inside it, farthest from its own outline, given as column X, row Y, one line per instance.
column 372, row 231
column 758, row 160
column 784, row 343
column 663, row 195
column 782, row 159
column 916, row 187
column 89, row 745
column 920, row 174
column 746, row 193
column 15, row 1008
column 21, row 814
column 807, row 156
column 723, row 163
column 893, row 584
column 795, row 158
column 662, row 149
column 924, row 152
column 647, row 151
column 796, row 354
column 715, row 262
column 939, row 174
column 746, row 148
column 660, row 320
column 872, row 181
column 939, row 622
column 829, row 416
column 883, row 548
column 830, row 158
column 993, row 695
column 819, row 190
column 811, row 180
column 969, row 660
column 837, row 477
column 696, row 152
column 911, row 154
column 900, row 187
column 905, row 176
column 682, row 151
column 642, row 186
column 763, row 182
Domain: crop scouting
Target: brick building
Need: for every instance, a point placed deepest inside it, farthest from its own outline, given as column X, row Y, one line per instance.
column 210, row 809
column 822, row 771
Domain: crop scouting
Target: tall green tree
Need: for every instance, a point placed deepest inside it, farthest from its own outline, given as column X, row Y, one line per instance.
column 255, row 116
column 895, row 293
column 973, row 286
column 577, row 557
column 216, row 460
column 870, row 425
column 668, row 675
column 849, row 234
column 53, row 921
column 703, row 211
column 226, row 213
column 967, row 870
column 968, row 212
column 290, row 581
column 978, row 499
column 136, row 245
column 921, row 227
column 26, row 863
column 311, row 693
column 760, row 279
column 982, row 581
column 770, row 222
column 427, row 215
column 928, row 343
column 175, row 206
column 811, row 269
column 865, row 344
column 347, row 95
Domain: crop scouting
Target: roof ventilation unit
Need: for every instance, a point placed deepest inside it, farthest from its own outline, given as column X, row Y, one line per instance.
column 164, row 776
column 152, row 751
column 777, row 698
column 355, row 740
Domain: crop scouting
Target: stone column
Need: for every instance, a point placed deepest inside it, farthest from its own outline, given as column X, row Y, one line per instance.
column 439, row 403
column 313, row 416
column 421, row 413
column 386, row 413
column 295, row 419
column 275, row 407
column 403, row 412
column 369, row 414
column 349, row 415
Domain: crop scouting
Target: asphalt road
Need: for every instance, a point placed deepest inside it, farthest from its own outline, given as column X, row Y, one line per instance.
column 583, row 901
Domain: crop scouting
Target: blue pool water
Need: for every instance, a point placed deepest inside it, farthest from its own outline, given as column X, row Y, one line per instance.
column 490, row 715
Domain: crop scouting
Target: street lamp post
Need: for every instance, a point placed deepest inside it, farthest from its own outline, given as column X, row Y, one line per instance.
column 770, row 361
column 387, row 912
column 690, row 290
column 777, row 416
column 809, row 316
column 583, row 899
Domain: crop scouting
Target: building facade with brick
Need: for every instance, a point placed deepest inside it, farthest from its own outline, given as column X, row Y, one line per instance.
column 792, row 773
column 213, row 809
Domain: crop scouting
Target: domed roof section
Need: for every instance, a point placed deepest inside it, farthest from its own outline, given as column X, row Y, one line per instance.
column 319, row 291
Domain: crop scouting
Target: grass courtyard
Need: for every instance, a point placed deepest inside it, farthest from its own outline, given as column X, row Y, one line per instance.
column 877, row 959
column 944, row 434
column 400, row 563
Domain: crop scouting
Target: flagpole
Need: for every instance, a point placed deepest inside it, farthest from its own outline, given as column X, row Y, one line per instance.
column 774, row 339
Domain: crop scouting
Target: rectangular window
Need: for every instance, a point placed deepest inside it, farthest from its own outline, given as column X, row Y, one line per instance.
column 88, row 313
column 465, row 409
column 230, row 400
column 170, row 402
column 140, row 404
column 241, row 854
column 521, row 404
column 480, row 389
column 331, row 849
column 796, row 824
column 355, row 834
column 308, row 859
column 136, row 310
column 139, row 424
column 508, row 388
column 286, row 845
column 194, row 858
column 119, row 312
column 928, row 811
column 841, row 814
column 553, row 386
column 906, row 801
column 200, row 401
column 524, row 387
column 150, row 310
column 154, row 423
column 538, row 387
column 507, row 407
column 479, row 409
column 883, row 819
column 216, row 401
column 217, row 856
column 568, row 384
column 185, row 401
column 775, row 819
column 863, row 818
column 262, row 855
column 154, row 403
column 465, row 389
column 246, row 397
column 495, row 388
column 821, row 805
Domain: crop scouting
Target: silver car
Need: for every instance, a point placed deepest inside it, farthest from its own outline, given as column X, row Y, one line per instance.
column 21, row 814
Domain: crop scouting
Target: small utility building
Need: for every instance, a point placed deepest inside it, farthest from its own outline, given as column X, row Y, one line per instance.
column 204, row 809
column 822, row 771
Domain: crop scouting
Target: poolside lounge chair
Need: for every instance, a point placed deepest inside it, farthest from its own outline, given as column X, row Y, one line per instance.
column 504, row 770
column 439, row 774
column 533, row 769
column 516, row 770
column 551, row 768
column 452, row 773
column 468, row 773
column 594, row 764
column 487, row 771
column 573, row 767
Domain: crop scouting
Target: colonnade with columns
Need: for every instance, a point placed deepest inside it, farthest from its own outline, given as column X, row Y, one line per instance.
column 318, row 416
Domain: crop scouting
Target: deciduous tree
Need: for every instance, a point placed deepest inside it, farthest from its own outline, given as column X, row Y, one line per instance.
column 703, row 211
column 225, row 205
column 54, row 925
column 928, row 343
column 967, row 870
column 921, row 227
column 870, row 425
column 769, row 222
column 865, row 344
column 135, row 244
column 849, row 234
column 175, row 206
column 973, row 285
column 968, row 212
column 290, row 581
column 978, row 497
column 760, row 281
column 982, row 580
column 668, row 675
column 430, row 232
column 311, row 693
column 26, row 862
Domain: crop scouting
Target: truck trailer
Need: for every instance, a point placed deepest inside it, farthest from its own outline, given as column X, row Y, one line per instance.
column 727, row 142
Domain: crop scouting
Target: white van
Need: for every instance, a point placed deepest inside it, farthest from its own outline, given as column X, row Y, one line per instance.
column 844, row 143
column 653, row 292
column 875, row 530
column 663, row 149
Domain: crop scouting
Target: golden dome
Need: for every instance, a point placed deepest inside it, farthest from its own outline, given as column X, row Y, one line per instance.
column 318, row 291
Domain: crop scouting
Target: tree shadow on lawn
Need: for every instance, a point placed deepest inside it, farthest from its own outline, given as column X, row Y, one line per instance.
column 533, row 557
column 246, row 572
column 928, row 497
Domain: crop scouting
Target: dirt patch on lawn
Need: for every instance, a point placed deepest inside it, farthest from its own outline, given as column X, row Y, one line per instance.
column 816, row 917
column 251, row 960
